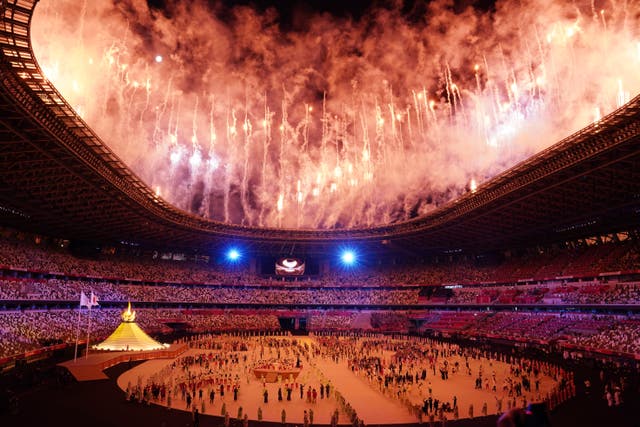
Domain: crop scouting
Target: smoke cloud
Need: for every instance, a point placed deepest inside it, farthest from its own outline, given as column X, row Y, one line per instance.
column 335, row 122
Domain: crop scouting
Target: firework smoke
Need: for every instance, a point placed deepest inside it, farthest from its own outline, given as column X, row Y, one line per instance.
column 342, row 124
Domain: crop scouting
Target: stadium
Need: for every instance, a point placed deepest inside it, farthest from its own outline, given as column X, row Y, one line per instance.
column 271, row 268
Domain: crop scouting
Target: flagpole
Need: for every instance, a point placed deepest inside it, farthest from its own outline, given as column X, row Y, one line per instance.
column 88, row 332
column 75, row 353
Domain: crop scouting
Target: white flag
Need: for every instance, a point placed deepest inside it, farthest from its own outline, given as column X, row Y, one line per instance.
column 84, row 300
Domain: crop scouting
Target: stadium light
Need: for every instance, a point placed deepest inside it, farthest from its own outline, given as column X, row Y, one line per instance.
column 348, row 257
column 233, row 255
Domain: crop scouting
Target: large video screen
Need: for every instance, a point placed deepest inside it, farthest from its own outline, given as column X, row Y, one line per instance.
column 289, row 267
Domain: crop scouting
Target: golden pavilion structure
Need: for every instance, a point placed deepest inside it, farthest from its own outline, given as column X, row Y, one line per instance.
column 128, row 336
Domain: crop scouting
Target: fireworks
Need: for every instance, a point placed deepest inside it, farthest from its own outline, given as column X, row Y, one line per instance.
column 344, row 124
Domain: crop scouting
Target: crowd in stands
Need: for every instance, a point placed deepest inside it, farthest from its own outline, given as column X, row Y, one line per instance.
column 33, row 257
column 390, row 321
column 554, row 292
column 69, row 290
column 29, row 330
column 26, row 330
column 623, row 337
column 151, row 279
column 620, row 334
column 22, row 331
column 24, row 253
column 58, row 289
column 331, row 321
column 619, row 293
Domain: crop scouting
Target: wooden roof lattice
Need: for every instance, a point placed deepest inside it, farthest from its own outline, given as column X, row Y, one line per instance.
column 59, row 178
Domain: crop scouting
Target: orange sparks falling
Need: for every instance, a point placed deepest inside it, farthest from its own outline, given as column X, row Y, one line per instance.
column 347, row 123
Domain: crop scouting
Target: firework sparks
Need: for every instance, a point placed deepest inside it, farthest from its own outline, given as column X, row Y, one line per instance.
column 345, row 123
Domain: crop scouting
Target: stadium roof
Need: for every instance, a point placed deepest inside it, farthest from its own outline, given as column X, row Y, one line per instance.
column 58, row 178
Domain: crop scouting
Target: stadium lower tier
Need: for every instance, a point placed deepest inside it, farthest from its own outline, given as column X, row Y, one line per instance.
column 27, row 330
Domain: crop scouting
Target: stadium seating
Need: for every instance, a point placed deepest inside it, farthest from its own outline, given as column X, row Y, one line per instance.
column 420, row 297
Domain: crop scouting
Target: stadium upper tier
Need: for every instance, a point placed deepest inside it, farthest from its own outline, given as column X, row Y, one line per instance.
column 57, row 177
